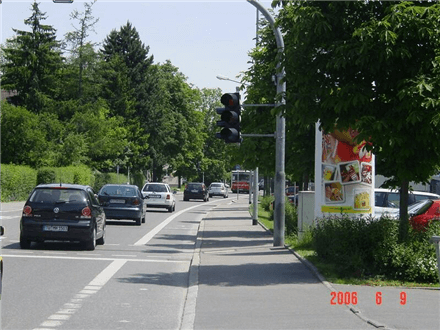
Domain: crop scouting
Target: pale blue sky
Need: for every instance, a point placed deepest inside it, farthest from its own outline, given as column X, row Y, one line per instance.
column 202, row 38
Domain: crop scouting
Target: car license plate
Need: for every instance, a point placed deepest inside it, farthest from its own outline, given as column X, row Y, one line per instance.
column 54, row 228
column 117, row 201
column 154, row 196
column 194, row 191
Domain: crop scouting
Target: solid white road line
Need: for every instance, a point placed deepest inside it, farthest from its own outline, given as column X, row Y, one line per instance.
column 58, row 319
column 144, row 240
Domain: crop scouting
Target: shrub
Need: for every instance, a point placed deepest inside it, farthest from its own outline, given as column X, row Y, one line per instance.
column 46, row 175
column 291, row 218
column 266, row 202
column 364, row 246
column 16, row 182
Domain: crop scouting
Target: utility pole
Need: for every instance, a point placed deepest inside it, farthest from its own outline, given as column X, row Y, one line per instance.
column 280, row 175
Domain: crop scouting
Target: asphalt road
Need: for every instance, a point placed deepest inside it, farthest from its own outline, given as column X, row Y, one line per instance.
column 137, row 280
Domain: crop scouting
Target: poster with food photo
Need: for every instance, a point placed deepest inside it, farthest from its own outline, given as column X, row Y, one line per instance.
column 362, row 199
column 345, row 169
column 329, row 172
column 350, row 172
column 366, row 173
column 334, row 192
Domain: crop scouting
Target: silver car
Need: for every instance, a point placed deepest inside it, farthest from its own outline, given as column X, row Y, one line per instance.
column 159, row 195
column 218, row 189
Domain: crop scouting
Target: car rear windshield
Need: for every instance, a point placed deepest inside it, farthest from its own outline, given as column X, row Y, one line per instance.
column 58, row 195
column 118, row 191
column 216, row 185
column 155, row 188
column 194, row 185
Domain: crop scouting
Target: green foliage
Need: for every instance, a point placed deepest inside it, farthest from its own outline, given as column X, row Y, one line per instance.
column 46, row 175
column 32, row 62
column 16, row 182
column 291, row 218
column 79, row 174
column 266, row 202
column 100, row 180
column 138, row 179
column 365, row 247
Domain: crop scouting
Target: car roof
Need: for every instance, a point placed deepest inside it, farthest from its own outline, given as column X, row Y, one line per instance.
column 424, row 193
column 119, row 185
column 156, row 183
column 62, row 185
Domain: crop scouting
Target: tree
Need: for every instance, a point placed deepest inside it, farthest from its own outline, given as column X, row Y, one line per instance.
column 82, row 52
column 216, row 161
column 176, row 124
column 300, row 142
column 127, row 66
column 20, row 131
column 374, row 67
column 31, row 64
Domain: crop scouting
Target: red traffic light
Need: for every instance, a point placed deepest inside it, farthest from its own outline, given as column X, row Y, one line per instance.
column 231, row 100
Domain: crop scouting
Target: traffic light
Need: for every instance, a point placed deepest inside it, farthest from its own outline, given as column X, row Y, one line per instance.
column 230, row 118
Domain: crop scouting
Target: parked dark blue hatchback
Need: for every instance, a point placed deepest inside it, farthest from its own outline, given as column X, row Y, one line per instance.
column 123, row 202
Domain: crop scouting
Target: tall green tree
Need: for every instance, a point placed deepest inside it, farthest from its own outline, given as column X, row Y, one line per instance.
column 32, row 62
column 82, row 55
column 373, row 66
column 176, row 125
column 128, row 66
column 300, row 142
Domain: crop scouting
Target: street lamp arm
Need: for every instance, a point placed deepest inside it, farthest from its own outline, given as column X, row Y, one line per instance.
column 220, row 77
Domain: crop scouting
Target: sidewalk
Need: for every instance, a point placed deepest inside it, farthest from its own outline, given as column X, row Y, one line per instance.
column 240, row 281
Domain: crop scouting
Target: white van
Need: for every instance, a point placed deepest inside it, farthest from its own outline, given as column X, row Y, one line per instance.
column 388, row 200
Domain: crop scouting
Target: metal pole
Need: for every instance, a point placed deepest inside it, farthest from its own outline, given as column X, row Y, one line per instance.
column 280, row 175
column 250, row 186
column 238, row 184
column 255, row 213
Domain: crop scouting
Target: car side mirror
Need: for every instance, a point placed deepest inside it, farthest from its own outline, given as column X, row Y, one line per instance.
column 2, row 230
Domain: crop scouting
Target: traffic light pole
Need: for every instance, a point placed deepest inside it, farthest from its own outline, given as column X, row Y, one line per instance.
column 280, row 175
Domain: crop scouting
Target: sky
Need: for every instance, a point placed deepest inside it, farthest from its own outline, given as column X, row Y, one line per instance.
column 203, row 39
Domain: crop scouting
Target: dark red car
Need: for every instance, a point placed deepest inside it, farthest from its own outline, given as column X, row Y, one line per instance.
column 423, row 212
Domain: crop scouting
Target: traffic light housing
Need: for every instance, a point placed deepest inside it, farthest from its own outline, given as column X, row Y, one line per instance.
column 230, row 118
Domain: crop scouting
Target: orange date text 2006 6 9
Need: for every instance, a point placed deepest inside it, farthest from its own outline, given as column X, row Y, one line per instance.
column 348, row 297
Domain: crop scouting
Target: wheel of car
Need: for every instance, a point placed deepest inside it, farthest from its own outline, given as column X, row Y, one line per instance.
column 139, row 221
column 101, row 241
column 143, row 218
column 25, row 243
column 91, row 243
column 185, row 199
column 225, row 196
column 210, row 195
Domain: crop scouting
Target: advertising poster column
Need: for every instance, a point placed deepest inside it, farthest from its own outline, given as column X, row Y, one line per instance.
column 344, row 174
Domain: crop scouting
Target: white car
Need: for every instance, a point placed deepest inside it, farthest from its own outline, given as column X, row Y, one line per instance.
column 159, row 195
column 218, row 189
column 387, row 201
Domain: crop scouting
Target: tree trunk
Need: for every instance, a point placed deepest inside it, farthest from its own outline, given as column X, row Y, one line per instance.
column 306, row 180
column 403, row 224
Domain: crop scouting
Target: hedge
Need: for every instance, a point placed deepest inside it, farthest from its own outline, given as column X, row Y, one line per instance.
column 18, row 181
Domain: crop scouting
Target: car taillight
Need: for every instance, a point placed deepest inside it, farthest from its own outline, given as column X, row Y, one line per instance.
column 135, row 202
column 168, row 196
column 27, row 211
column 86, row 212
